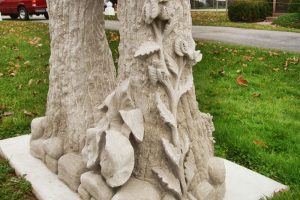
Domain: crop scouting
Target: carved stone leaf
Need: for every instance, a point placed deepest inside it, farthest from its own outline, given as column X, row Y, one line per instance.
column 147, row 12
column 155, row 10
column 190, row 167
column 170, row 27
column 91, row 151
column 147, row 48
column 171, row 63
column 135, row 121
column 185, row 144
column 169, row 180
column 172, row 152
column 153, row 75
column 187, row 86
column 117, row 159
column 167, row 116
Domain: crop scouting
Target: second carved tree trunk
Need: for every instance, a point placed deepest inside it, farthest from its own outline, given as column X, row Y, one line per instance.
column 82, row 72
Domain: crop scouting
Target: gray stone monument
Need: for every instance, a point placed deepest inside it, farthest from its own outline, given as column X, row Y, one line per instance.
column 140, row 136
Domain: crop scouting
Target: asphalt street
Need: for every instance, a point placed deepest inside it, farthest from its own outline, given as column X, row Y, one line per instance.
column 286, row 41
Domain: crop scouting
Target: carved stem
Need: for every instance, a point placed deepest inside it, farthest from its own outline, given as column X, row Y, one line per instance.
column 173, row 92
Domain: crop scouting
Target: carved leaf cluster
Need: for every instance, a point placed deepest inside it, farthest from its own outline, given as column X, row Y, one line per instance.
column 169, row 70
column 108, row 144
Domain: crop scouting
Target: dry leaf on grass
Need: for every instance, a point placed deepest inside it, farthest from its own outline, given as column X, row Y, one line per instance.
column 7, row 114
column 256, row 94
column 222, row 72
column 30, row 82
column 29, row 114
column 260, row 143
column 240, row 81
column 248, row 58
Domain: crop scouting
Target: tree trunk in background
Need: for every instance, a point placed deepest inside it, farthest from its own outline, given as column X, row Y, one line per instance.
column 82, row 72
column 198, row 126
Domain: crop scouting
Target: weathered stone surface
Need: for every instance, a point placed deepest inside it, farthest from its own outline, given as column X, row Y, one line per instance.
column 83, row 193
column 54, row 147
column 51, row 163
column 137, row 190
column 46, row 185
column 70, row 168
column 149, row 127
column 37, row 128
column 94, row 184
column 37, row 149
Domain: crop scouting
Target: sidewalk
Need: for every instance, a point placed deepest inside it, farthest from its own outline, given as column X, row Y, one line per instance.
column 286, row 41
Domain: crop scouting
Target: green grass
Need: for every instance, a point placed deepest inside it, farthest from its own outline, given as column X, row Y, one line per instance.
column 291, row 20
column 259, row 131
column 11, row 186
column 256, row 126
column 24, row 58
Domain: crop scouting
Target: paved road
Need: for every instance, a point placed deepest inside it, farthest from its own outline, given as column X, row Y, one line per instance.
column 32, row 18
column 287, row 41
column 258, row 38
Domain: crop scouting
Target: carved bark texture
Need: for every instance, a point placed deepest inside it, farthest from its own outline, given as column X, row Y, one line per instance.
column 82, row 72
column 198, row 126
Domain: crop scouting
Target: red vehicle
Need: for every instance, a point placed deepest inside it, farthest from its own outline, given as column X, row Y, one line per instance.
column 23, row 8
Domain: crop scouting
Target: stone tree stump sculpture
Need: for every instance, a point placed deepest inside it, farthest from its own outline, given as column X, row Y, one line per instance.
column 149, row 140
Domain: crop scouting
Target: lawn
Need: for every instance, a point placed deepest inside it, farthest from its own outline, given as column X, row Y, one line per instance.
column 252, row 93
column 210, row 18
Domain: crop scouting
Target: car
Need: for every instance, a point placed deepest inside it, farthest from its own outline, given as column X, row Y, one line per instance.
column 23, row 8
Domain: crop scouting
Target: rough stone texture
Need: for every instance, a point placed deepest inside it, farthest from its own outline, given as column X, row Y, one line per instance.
column 51, row 163
column 82, row 72
column 46, row 185
column 139, row 190
column 196, row 125
column 70, row 168
column 90, row 184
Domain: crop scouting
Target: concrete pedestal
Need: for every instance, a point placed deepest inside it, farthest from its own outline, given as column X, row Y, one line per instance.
column 241, row 183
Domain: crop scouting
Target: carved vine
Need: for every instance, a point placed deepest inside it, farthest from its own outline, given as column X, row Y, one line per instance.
column 168, row 71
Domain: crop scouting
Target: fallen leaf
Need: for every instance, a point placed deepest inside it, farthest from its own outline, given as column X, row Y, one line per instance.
column 1, row 74
column 13, row 74
column 19, row 87
column 238, row 71
column 260, row 143
column 7, row 114
column 276, row 69
column 261, row 58
column 241, row 81
column 34, row 93
column 271, row 53
column 30, row 82
column 29, row 114
column 248, row 58
column 34, row 41
column 256, row 94
column 286, row 65
column 27, row 62
column 245, row 65
column 221, row 72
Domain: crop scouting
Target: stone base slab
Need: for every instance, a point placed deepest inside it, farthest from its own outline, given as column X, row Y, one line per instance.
column 241, row 183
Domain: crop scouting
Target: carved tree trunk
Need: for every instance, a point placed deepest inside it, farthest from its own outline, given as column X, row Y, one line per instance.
column 198, row 126
column 82, row 72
